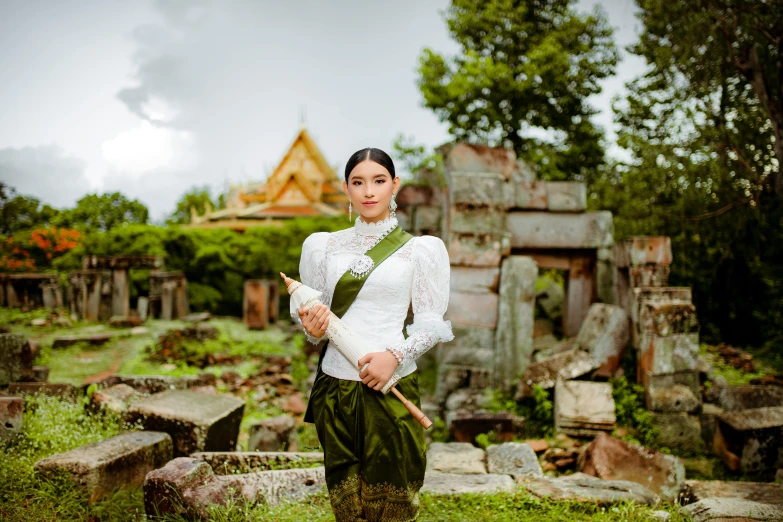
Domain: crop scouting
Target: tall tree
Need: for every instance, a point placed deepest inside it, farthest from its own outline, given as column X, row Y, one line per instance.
column 197, row 199
column 522, row 79
column 103, row 212
column 19, row 213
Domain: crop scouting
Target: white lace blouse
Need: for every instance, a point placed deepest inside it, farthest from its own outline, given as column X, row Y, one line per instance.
column 417, row 273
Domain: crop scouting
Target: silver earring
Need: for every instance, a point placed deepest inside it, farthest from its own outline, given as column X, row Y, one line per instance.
column 350, row 211
column 393, row 207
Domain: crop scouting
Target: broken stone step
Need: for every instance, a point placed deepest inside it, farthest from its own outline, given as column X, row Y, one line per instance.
column 585, row 488
column 765, row 492
column 731, row 509
column 103, row 467
column 750, row 440
column 439, row 483
column 513, row 458
column 584, row 407
column 11, row 416
column 195, row 421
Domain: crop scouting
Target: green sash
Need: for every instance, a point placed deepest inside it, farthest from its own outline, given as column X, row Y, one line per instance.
column 348, row 287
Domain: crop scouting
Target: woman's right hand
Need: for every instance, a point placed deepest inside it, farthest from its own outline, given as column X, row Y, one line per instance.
column 316, row 320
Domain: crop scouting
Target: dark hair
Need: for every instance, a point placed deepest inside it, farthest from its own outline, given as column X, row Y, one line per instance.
column 374, row 155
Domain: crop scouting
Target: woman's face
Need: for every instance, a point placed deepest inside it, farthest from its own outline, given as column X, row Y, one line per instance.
column 370, row 187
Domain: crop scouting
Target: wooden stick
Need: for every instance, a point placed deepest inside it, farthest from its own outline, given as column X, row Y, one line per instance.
column 416, row 412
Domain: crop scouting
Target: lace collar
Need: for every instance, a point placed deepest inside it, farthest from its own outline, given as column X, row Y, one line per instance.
column 374, row 229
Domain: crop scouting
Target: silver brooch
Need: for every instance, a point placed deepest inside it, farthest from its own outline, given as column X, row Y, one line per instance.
column 360, row 266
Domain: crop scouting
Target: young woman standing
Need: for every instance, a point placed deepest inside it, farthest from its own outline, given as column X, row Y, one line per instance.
column 374, row 450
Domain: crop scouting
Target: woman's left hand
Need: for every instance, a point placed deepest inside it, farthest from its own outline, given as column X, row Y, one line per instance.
column 380, row 370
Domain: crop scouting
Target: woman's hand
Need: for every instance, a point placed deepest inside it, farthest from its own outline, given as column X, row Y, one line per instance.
column 380, row 370
column 316, row 320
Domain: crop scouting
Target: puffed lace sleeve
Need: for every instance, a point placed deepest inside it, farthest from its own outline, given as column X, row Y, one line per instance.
column 312, row 270
column 429, row 297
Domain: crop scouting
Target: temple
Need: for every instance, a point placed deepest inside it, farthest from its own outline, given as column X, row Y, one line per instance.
column 302, row 184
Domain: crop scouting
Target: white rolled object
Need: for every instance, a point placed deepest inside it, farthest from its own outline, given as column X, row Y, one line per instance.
column 341, row 337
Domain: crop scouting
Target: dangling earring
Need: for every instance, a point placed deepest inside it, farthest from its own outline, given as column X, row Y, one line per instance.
column 393, row 207
column 350, row 211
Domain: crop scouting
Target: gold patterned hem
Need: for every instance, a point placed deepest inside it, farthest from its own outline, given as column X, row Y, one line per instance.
column 353, row 499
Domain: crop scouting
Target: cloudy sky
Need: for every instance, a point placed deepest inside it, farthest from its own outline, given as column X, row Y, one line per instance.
column 152, row 97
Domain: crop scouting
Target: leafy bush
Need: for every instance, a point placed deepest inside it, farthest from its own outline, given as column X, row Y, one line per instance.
column 631, row 412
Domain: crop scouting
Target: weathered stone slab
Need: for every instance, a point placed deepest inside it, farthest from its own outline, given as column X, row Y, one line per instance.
column 513, row 458
column 750, row 440
column 678, row 430
column 93, row 338
column 456, row 457
column 115, row 398
column 765, row 492
column 428, row 219
column 552, row 349
column 644, row 250
column 613, row 459
column 186, row 486
column 439, row 483
column 476, row 220
column 275, row 434
column 707, row 417
column 11, row 416
column 668, row 354
column 232, row 462
column 605, row 333
column 150, row 384
column 52, row 389
column 677, row 398
column 16, row 360
column 566, row 196
column 560, row 230
column 731, row 509
column 469, row 309
column 667, row 318
column 737, row 398
column 195, row 421
column 580, row 487
column 657, row 384
column 476, row 188
column 474, row 279
column 121, row 461
column 530, row 195
column 670, row 294
column 516, row 310
column 649, row 276
column 479, row 249
column 465, row 157
column 465, row 426
column 565, row 366
column 584, row 408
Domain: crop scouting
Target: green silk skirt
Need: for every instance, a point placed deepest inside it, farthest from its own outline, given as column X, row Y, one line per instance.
column 374, row 450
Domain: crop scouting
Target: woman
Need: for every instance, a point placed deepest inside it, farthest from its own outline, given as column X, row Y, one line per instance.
column 374, row 451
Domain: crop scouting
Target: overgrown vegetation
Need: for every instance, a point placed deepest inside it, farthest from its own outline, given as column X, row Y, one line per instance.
column 538, row 411
column 631, row 412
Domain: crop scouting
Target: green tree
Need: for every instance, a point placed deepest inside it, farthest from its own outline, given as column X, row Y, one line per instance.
column 525, row 70
column 18, row 213
column 196, row 198
column 103, row 212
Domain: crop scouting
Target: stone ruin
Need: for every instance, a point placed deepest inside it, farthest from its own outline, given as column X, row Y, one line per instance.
column 30, row 290
column 260, row 303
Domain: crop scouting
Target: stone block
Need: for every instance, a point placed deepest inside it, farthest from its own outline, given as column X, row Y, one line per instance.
column 551, row 348
column 439, row 483
column 513, row 458
column 95, row 339
column 16, row 361
column 580, row 487
column 738, row 398
column 233, row 462
column 566, row 196
column 649, row 276
column 476, row 188
column 52, row 389
column 666, row 319
column 40, row 373
column 750, row 440
column 530, row 195
column 467, row 358
column 678, row 430
column 275, row 434
column 469, row 309
column 468, row 337
column 255, row 304
column 605, row 333
column 765, row 492
column 103, row 467
column 428, row 219
column 560, row 230
column 565, row 366
column 414, row 195
column 465, row 426
column 465, row 157
column 644, row 250
column 677, row 398
column 115, row 398
column 584, row 408
column 11, row 416
column 456, row 457
column 656, row 384
column 516, row 309
column 474, row 279
column 669, row 294
column 670, row 354
column 730, row 509
column 149, row 384
column 476, row 220
column 613, row 459
column 479, row 249
column 195, row 421
column 707, row 417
